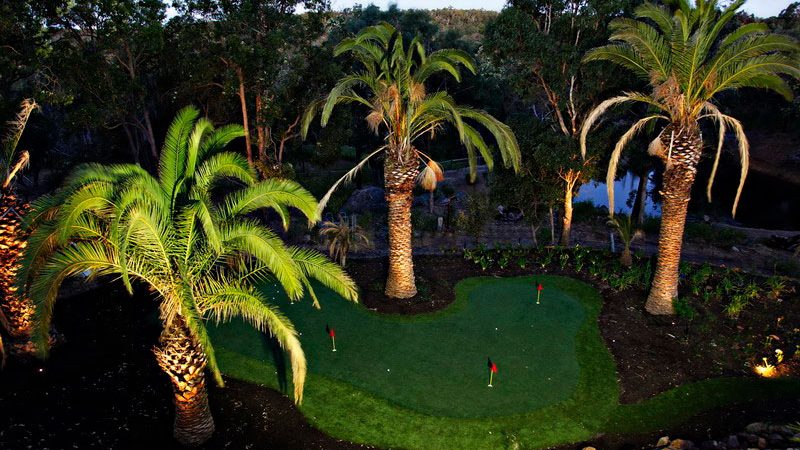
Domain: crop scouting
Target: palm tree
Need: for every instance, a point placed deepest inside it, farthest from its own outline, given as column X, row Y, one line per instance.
column 201, row 254
column 343, row 237
column 687, row 61
column 627, row 231
column 16, row 310
column 391, row 85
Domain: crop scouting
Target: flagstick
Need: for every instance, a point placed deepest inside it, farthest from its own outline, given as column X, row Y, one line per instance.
column 491, row 375
column 333, row 340
column 538, row 296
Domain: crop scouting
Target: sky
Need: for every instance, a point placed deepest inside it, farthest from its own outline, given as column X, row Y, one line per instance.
column 760, row 8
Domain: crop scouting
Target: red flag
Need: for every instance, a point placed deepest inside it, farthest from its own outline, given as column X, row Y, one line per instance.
column 492, row 365
column 331, row 332
column 540, row 287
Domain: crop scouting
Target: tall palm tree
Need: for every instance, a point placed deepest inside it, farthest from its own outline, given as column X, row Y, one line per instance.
column 16, row 310
column 200, row 253
column 681, row 51
column 391, row 85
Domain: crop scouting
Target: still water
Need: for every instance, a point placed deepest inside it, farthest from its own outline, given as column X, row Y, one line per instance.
column 767, row 202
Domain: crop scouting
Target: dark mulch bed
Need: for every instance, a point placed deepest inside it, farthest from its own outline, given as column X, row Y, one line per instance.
column 102, row 388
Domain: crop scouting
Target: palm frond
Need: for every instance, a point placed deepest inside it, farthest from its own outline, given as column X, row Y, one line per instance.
column 615, row 156
column 272, row 193
column 172, row 164
column 229, row 299
column 316, row 266
column 346, row 178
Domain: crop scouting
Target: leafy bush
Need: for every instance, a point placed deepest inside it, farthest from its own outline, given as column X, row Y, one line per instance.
column 684, row 309
column 737, row 304
column 478, row 212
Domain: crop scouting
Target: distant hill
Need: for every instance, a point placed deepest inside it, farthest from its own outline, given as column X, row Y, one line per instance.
column 469, row 23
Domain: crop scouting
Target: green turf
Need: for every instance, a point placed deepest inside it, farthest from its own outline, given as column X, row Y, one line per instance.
column 434, row 394
column 438, row 365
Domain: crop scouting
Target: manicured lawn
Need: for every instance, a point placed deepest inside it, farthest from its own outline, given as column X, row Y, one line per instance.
column 420, row 382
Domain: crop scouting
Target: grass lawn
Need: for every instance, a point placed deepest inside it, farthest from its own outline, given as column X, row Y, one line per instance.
column 421, row 382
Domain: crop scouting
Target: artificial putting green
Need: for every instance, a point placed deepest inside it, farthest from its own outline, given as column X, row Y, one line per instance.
column 438, row 364
column 420, row 382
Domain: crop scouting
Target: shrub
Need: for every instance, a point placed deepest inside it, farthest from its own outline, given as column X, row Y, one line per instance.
column 737, row 304
column 684, row 309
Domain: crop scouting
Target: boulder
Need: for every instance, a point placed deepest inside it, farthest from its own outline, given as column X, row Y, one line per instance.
column 681, row 444
column 368, row 199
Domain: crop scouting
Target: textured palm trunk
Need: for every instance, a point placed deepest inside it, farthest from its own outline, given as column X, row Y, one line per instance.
column 399, row 195
column 182, row 358
column 18, row 310
column 682, row 147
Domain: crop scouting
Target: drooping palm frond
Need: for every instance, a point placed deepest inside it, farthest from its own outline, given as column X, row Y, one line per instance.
column 10, row 141
column 611, row 175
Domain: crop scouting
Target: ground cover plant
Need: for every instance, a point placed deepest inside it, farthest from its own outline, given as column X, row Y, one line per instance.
column 429, row 390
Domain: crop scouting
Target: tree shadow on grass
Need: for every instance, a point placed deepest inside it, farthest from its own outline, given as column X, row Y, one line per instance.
column 279, row 360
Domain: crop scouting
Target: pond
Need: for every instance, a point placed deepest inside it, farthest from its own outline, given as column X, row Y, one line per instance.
column 767, row 201
column 624, row 194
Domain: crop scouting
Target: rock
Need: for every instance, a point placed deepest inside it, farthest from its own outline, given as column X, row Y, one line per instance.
column 368, row 199
column 775, row 440
column 756, row 428
column 663, row 442
column 733, row 442
column 714, row 445
column 762, row 443
column 589, row 448
column 680, row 444
column 781, row 429
column 421, row 200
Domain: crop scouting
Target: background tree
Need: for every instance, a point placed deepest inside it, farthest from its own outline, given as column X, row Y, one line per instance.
column 105, row 57
column 201, row 257
column 536, row 189
column 688, row 60
column 540, row 43
column 264, row 50
column 391, row 84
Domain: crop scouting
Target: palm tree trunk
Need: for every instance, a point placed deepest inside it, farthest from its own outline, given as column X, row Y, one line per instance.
column 17, row 309
column 682, row 147
column 399, row 195
column 182, row 358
